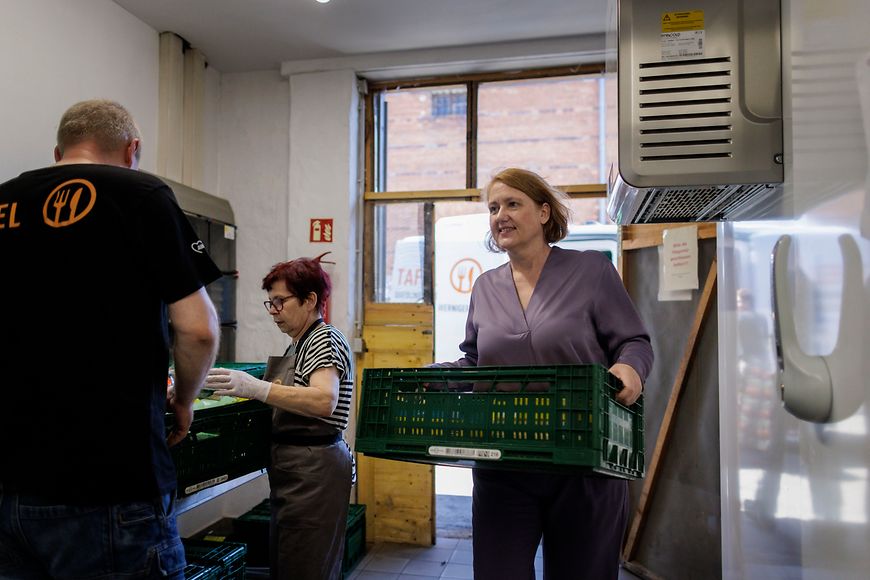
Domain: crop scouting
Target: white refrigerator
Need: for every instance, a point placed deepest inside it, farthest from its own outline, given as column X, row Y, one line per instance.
column 794, row 388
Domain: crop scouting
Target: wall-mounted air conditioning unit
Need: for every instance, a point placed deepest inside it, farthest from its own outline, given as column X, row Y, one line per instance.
column 699, row 94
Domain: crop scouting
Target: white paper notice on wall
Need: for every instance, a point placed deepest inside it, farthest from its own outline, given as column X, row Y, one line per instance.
column 669, row 295
column 678, row 263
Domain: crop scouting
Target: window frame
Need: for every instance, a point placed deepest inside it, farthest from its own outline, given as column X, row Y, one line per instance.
column 374, row 197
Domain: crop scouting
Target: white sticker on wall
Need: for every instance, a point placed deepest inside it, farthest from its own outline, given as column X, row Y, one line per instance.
column 676, row 45
column 682, row 34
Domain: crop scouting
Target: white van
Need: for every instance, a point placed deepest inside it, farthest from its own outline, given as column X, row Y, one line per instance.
column 460, row 257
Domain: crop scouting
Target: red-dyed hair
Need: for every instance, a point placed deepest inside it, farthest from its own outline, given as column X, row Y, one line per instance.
column 302, row 277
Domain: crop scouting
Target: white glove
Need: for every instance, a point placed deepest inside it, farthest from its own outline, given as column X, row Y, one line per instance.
column 233, row 383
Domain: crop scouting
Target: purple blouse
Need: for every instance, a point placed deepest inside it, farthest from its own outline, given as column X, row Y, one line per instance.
column 579, row 313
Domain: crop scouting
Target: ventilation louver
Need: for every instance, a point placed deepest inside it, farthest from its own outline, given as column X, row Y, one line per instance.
column 684, row 110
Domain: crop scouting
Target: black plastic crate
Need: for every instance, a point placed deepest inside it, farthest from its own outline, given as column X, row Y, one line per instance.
column 223, row 295
column 562, row 418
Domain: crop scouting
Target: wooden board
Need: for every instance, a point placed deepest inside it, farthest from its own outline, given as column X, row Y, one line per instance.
column 396, row 338
column 400, row 496
column 379, row 314
column 638, row 236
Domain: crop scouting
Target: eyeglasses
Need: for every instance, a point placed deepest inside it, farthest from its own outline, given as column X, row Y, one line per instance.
column 277, row 303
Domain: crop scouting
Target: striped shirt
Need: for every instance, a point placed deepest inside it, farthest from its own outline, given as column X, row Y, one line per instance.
column 326, row 346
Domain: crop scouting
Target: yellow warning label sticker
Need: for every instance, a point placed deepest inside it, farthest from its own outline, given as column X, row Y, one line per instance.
column 683, row 21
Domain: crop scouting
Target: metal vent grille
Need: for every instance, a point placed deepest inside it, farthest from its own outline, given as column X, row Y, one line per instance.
column 708, row 203
column 684, row 110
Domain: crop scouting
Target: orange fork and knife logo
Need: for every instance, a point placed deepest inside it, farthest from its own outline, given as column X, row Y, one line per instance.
column 69, row 202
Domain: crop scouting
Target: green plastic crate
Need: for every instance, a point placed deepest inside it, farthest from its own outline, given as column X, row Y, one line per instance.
column 224, row 443
column 355, row 538
column 206, row 398
column 199, row 572
column 562, row 417
column 227, row 557
column 252, row 528
column 257, row 370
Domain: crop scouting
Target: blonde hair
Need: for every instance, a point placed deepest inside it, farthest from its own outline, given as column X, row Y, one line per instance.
column 109, row 125
column 539, row 191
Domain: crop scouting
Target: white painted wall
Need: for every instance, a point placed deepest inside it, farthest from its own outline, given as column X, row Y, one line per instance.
column 252, row 166
column 211, row 130
column 54, row 53
column 323, row 178
column 287, row 154
column 94, row 48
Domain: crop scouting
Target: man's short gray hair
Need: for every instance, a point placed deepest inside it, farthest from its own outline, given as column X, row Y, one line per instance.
column 109, row 125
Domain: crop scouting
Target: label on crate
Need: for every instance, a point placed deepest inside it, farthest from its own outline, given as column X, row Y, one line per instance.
column 207, row 483
column 464, row 452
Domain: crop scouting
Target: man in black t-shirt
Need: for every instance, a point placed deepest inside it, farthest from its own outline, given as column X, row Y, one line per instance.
column 95, row 258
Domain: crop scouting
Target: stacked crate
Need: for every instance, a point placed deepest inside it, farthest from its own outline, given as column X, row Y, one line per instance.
column 252, row 528
column 226, row 439
column 226, row 559
column 199, row 572
column 355, row 538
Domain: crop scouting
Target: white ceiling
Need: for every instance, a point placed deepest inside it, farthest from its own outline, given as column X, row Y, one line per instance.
column 246, row 35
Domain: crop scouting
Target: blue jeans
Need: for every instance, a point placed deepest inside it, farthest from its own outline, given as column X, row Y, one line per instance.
column 41, row 540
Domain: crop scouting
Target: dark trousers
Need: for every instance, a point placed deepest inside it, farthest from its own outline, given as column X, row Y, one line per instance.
column 310, row 494
column 40, row 540
column 582, row 521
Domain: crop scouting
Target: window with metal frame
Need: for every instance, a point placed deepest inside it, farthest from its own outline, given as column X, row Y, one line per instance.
column 433, row 143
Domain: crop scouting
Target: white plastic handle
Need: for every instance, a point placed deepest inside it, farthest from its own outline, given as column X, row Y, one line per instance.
column 807, row 382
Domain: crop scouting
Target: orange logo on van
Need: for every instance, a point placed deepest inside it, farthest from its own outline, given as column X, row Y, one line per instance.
column 464, row 273
column 69, row 202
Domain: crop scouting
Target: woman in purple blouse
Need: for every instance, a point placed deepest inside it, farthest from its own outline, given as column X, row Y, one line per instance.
column 549, row 306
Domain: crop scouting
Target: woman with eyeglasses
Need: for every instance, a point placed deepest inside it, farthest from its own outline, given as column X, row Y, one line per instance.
column 310, row 388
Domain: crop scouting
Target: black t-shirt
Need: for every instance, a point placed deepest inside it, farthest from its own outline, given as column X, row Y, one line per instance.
column 91, row 255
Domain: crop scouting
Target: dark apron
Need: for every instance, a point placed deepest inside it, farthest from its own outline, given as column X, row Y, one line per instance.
column 290, row 428
column 310, row 480
column 280, row 369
